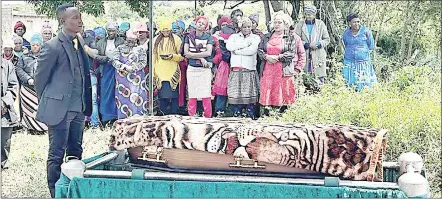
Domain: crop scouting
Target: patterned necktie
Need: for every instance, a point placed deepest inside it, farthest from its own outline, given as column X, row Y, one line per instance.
column 75, row 41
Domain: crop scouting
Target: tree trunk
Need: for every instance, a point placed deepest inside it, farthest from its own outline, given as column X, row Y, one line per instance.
column 416, row 22
column 267, row 12
column 379, row 30
column 296, row 6
column 331, row 19
column 277, row 5
column 404, row 32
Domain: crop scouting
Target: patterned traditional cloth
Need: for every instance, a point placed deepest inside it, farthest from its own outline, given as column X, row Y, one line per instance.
column 131, row 93
column 243, row 87
column 276, row 90
column 29, row 104
column 358, row 70
column 346, row 151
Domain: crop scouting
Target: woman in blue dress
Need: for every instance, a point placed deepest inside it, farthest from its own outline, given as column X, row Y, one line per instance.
column 358, row 71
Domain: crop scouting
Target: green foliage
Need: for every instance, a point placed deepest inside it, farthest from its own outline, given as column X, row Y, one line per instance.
column 388, row 43
column 408, row 106
column 91, row 7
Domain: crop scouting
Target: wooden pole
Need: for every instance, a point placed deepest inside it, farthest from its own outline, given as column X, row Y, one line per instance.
column 151, row 58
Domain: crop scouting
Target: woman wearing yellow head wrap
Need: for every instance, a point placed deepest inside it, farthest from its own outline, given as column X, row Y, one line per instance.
column 167, row 72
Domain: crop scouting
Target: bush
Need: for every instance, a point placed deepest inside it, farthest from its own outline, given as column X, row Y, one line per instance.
column 408, row 106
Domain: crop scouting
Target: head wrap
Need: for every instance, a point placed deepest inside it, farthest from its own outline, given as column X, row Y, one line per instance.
column 254, row 17
column 351, row 16
column 164, row 23
column 16, row 37
column 285, row 17
column 19, row 24
column 100, row 31
column 244, row 20
column 90, row 32
column 310, row 9
column 140, row 27
column 203, row 18
column 9, row 43
column 36, row 38
column 46, row 26
column 111, row 25
column 178, row 24
column 224, row 19
column 124, row 26
column 130, row 34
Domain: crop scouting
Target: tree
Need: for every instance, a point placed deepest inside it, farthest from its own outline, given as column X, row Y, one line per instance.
column 92, row 7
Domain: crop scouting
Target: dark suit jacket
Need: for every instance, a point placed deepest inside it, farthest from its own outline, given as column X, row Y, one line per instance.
column 54, row 80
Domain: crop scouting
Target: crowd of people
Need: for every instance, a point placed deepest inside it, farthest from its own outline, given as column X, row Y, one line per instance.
column 232, row 65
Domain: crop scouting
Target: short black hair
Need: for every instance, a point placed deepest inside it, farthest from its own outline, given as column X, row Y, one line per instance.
column 232, row 14
column 352, row 16
column 61, row 9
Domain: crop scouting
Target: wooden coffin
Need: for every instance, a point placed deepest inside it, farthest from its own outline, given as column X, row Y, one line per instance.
column 236, row 144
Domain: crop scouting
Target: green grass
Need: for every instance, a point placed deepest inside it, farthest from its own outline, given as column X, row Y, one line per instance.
column 26, row 175
column 408, row 106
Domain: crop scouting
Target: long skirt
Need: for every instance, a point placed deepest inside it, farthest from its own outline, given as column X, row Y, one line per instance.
column 199, row 82
column 29, row 105
column 243, row 87
column 276, row 90
column 108, row 108
column 131, row 95
column 359, row 74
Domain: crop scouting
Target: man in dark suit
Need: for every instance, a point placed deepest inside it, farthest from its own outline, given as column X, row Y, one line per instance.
column 63, row 86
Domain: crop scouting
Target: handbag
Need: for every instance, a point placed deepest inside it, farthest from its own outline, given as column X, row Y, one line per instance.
column 289, row 45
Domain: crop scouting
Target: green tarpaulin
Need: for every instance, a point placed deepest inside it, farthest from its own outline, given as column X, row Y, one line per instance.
column 129, row 188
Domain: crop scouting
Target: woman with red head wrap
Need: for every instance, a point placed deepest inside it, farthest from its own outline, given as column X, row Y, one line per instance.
column 198, row 47
column 20, row 30
column 222, row 59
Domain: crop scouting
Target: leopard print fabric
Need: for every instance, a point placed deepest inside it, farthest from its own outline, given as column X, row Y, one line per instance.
column 340, row 150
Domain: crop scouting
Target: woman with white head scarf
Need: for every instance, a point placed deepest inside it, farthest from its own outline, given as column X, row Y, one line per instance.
column 315, row 38
column 283, row 57
column 8, row 52
column 243, row 84
column 106, row 47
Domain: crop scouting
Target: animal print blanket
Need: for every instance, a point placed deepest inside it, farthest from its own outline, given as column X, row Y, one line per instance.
column 346, row 151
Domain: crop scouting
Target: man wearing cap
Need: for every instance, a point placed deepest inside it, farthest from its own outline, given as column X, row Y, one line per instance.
column 63, row 86
column 20, row 30
column 315, row 37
